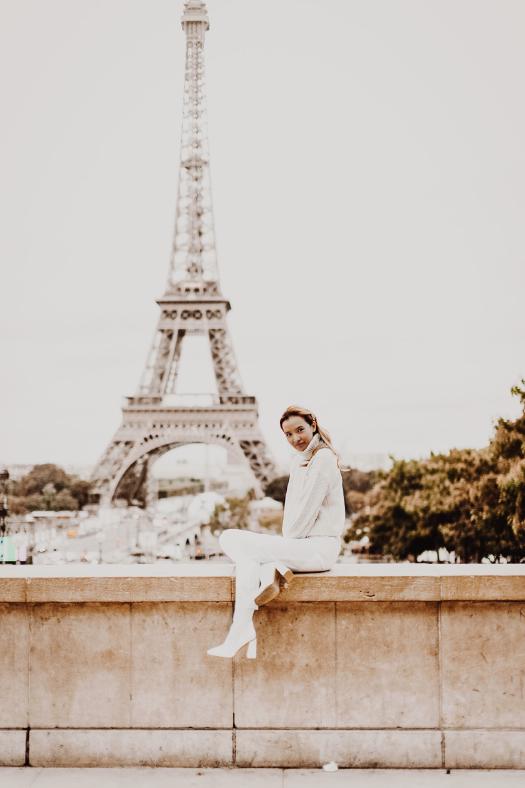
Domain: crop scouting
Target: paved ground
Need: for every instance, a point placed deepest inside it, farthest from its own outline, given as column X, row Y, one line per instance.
column 259, row 778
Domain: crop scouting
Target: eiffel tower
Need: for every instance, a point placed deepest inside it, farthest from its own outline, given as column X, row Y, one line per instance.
column 154, row 420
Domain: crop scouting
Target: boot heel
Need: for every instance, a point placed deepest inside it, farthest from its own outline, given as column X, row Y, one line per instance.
column 251, row 651
column 285, row 573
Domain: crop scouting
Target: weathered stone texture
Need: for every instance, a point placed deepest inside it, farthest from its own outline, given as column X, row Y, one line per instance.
column 373, row 667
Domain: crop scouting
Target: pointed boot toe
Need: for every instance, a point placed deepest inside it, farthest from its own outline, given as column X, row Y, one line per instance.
column 238, row 636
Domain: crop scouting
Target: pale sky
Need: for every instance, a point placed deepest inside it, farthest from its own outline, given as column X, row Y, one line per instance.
column 368, row 175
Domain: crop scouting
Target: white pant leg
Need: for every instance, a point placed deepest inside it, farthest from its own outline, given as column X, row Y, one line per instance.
column 249, row 550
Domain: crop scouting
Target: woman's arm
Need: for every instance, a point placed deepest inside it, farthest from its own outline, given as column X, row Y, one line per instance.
column 317, row 484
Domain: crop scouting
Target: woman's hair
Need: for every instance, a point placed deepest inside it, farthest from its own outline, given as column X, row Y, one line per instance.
column 308, row 416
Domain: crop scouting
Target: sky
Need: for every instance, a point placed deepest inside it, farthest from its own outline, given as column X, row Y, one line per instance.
column 368, row 178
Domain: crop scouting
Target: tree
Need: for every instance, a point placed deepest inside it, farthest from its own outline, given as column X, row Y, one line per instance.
column 233, row 513
column 48, row 487
column 276, row 489
column 356, row 485
column 39, row 476
column 470, row 501
column 132, row 485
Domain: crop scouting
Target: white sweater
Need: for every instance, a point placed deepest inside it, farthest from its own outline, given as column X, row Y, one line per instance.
column 314, row 503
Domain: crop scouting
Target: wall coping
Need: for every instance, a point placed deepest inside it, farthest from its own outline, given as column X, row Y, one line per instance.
column 227, row 569
column 215, row 582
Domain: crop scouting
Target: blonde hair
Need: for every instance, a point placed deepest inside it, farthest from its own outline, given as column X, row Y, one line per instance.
column 310, row 418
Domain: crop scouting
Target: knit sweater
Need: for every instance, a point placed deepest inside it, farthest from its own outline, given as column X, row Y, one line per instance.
column 314, row 504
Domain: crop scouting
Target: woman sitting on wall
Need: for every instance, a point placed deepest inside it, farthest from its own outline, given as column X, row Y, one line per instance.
column 313, row 524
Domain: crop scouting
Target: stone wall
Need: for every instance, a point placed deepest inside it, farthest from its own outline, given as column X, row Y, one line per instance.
column 393, row 665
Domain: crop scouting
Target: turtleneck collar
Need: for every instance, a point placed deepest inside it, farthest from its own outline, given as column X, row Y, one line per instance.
column 305, row 455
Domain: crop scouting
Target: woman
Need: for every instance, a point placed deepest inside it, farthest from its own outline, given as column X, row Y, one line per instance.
column 313, row 523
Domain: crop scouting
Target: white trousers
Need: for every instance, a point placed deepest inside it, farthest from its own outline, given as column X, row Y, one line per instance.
column 249, row 550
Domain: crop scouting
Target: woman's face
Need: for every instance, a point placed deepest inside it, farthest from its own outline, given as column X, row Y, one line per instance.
column 298, row 432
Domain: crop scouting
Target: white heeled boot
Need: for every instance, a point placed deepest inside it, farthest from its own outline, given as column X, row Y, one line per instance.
column 274, row 576
column 242, row 631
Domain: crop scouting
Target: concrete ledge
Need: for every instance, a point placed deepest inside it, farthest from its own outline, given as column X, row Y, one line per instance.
column 130, row 748
column 369, row 749
column 246, row 748
column 384, row 666
column 215, row 582
column 13, row 747
column 349, row 749
column 503, row 749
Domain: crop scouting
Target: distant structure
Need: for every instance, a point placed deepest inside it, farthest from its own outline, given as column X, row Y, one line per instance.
column 157, row 419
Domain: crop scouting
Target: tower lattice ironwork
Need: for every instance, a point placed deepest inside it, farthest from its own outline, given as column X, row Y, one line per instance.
column 156, row 419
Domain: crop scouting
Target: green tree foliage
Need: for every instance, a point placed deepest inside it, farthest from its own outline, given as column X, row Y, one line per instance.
column 276, row 489
column 356, row 485
column 470, row 501
column 47, row 487
column 132, row 486
column 233, row 513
